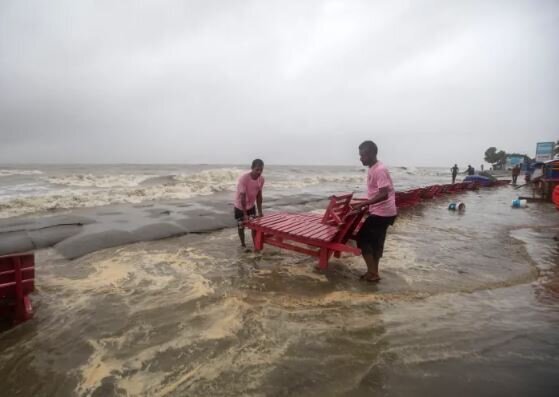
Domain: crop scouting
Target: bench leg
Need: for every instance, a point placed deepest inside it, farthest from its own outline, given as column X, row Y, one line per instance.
column 323, row 258
column 19, row 312
column 27, row 307
column 258, row 240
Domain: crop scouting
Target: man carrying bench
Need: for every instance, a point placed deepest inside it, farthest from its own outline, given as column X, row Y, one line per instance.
column 249, row 191
column 382, row 210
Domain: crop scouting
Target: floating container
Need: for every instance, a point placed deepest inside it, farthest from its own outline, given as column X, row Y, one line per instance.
column 518, row 203
column 459, row 206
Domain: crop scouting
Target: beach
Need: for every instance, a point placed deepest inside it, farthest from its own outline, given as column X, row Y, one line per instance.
column 142, row 290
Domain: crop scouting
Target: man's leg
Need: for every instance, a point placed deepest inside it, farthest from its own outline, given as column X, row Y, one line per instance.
column 240, row 226
column 372, row 267
column 375, row 249
column 241, row 231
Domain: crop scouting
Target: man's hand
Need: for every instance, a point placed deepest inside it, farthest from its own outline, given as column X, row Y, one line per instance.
column 356, row 206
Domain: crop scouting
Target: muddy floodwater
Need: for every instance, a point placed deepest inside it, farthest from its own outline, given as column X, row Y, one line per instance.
column 468, row 303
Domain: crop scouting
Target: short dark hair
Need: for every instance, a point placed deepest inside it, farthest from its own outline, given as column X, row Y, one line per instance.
column 257, row 163
column 369, row 146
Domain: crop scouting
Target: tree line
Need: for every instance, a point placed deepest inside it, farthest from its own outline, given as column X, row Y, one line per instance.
column 498, row 158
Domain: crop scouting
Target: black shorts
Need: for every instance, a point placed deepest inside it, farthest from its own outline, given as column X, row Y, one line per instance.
column 239, row 215
column 371, row 236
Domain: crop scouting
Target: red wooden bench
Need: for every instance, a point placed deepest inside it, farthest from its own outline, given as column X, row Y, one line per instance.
column 471, row 185
column 430, row 191
column 17, row 280
column 408, row 198
column 311, row 234
column 448, row 188
column 459, row 187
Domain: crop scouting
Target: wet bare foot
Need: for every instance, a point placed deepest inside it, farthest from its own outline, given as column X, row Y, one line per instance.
column 243, row 249
column 370, row 277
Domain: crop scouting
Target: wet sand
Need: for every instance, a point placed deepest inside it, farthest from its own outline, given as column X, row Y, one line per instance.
column 468, row 305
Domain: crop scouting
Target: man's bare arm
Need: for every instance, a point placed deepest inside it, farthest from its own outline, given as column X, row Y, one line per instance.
column 259, row 202
column 243, row 197
column 377, row 198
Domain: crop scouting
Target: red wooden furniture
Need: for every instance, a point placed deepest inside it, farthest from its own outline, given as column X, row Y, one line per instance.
column 311, row 234
column 430, row 191
column 448, row 188
column 471, row 185
column 17, row 280
column 408, row 198
column 555, row 196
column 460, row 187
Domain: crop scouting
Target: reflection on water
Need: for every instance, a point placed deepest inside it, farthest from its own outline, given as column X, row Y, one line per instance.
column 467, row 305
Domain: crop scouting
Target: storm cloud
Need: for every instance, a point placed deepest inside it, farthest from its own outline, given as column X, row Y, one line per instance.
column 293, row 82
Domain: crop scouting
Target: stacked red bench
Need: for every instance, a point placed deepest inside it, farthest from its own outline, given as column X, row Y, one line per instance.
column 17, row 280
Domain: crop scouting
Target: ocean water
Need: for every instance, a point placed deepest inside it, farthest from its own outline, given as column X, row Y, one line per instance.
column 468, row 303
column 35, row 188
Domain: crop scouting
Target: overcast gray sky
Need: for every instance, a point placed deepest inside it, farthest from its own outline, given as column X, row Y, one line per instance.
column 293, row 82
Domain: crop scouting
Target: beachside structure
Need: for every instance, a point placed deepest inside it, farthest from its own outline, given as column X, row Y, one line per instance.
column 544, row 151
column 550, row 178
column 514, row 159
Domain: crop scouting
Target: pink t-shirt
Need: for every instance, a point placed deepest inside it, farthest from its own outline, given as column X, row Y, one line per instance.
column 377, row 178
column 250, row 187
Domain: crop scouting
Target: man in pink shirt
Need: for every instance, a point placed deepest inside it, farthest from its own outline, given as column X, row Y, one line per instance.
column 249, row 191
column 381, row 201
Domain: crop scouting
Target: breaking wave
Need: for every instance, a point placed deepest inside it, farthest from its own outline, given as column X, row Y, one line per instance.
column 6, row 172
column 101, row 181
column 92, row 189
column 118, row 189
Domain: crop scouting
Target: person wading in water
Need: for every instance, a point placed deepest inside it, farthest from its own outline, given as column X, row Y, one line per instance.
column 454, row 171
column 381, row 202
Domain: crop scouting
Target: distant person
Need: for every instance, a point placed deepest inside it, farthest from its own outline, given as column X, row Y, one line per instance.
column 534, row 174
column 535, row 180
column 481, row 167
column 527, row 176
column 471, row 170
column 249, row 192
column 538, row 172
column 515, row 173
column 454, row 172
column 381, row 202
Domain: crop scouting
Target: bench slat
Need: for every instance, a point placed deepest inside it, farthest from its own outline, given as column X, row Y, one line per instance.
column 7, row 262
column 284, row 224
column 280, row 218
column 302, row 226
column 8, row 290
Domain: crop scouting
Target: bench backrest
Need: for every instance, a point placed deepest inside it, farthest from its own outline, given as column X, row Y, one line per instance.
column 17, row 275
column 337, row 209
column 349, row 223
column 339, row 213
